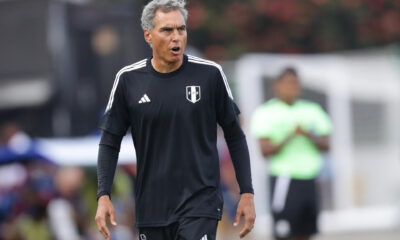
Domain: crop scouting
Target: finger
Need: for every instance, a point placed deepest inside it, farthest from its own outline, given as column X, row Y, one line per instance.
column 106, row 233
column 112, row 218
column 237, row 218
column 250, row 219
column 244, row 232
column 100, row 222
column 101, row 225
column 248, row 226
column 103, row 233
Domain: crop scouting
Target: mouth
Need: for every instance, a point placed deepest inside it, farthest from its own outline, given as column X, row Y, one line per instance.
column 175, row 50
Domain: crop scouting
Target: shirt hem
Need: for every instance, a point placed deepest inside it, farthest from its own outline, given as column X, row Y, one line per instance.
column 296, row 176
column 166, row 223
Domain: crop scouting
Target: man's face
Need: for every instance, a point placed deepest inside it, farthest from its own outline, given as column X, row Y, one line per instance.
column 168, row 36
column 288, row 88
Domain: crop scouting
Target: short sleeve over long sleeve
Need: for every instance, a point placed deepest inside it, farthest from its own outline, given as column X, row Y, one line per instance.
column 227, row 110
column 116, row 118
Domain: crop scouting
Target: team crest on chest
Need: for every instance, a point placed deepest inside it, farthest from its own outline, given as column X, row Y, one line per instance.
column 193, row 93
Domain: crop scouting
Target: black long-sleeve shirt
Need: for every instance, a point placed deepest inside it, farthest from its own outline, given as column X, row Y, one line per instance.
column 173, row 119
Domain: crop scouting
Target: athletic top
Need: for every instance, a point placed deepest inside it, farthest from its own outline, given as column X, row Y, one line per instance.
column 276, row 120
column 173, row 119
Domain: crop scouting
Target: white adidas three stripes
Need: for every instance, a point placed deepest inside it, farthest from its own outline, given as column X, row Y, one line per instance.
column 204, row 237
column 198, row 60
column 145, row 99
column 132, row 67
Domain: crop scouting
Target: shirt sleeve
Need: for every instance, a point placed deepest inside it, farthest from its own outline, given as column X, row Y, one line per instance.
column 116, row 118
column 237, row 145
column 321, row 122
column 107, row 162
column 226, row 109
column 260, row 125
column 227, row 117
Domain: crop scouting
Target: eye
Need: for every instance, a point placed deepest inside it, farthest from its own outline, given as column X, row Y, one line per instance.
column 166, row 29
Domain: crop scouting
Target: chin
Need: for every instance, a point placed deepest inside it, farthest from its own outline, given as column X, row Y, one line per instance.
column 176, row 58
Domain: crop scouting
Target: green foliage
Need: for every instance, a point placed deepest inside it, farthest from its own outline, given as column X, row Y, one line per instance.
column 228, row 28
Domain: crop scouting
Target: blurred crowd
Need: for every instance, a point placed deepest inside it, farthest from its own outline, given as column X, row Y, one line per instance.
column 41, row 200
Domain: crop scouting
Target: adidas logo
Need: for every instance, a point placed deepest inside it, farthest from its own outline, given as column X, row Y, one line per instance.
column 204, row 237
column 144, row 99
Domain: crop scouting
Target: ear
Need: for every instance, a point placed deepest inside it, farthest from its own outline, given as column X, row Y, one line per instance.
column 147, row 36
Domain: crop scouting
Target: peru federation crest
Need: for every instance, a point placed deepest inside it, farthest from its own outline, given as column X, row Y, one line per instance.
column 193, row 93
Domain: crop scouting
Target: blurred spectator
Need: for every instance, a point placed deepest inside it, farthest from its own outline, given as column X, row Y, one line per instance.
column 66, row 209
column 13, row 140
column 292, row 132
column 25, row 204
column 13, row 136
column 39, row 200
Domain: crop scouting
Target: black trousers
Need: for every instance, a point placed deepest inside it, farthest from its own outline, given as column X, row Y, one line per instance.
column 294, row 207
column 191, row 228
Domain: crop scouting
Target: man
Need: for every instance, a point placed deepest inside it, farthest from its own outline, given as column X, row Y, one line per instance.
column 172, row 103
column 292, row 133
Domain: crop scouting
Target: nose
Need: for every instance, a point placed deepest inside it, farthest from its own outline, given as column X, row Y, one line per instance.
column 175, row 35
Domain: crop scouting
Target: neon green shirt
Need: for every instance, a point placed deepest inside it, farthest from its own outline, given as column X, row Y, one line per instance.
column 276, row 120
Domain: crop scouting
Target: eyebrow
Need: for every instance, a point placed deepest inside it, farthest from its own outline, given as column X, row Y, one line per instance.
column 170, row 28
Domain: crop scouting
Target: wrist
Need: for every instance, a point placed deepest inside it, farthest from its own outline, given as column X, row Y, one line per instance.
column 247, row 195
column 103, row 197
column 312, row 137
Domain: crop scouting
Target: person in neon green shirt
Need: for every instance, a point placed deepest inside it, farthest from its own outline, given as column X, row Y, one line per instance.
column 292, row 133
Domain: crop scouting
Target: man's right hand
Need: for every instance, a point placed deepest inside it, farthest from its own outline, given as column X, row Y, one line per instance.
column 105, row 209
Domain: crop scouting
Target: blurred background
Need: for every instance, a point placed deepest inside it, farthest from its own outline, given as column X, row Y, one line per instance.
column 58, row 60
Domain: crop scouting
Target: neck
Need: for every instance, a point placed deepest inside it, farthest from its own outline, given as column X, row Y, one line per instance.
column 288, row 101
column 163, row 66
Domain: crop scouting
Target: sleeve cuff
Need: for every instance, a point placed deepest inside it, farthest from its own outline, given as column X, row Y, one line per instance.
column 247, row 190
column 102, row 194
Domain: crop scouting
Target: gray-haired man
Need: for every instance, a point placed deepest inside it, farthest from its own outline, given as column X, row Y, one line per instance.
column 172, row 103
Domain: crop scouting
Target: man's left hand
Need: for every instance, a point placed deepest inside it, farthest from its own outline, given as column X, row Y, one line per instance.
column 247, row 210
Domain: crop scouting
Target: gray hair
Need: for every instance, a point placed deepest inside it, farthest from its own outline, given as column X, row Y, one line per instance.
column 151, row 8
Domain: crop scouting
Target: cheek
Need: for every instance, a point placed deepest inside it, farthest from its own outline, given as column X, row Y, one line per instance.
column 295, row 91
column 287, row 91
column 160, row 42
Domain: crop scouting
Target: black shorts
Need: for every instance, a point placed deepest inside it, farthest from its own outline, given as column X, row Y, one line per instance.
column 192, row 228
column 294, row 207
